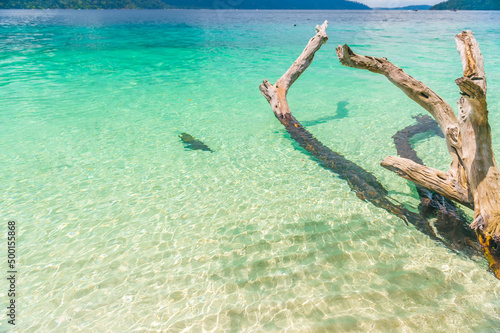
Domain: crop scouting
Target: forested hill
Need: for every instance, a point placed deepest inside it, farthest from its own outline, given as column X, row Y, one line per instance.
column 204, row 4
column 80, row 4
column 469, row 5
column 413, row 7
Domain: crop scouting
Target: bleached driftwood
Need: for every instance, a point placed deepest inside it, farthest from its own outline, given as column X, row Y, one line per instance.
column 454, row 184
column 276, row 94
column 479, row 161
column 473, row 178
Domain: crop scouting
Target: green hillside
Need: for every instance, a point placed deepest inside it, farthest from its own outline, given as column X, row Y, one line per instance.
column 469, row 5
column 81, row 4
column 159, row 4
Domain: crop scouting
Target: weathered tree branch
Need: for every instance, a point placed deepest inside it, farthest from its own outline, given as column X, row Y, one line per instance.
column 478, row 158
column 425, row 97
column 418, row 92
column 276, row 94
column 433, row 179
column 473, row 178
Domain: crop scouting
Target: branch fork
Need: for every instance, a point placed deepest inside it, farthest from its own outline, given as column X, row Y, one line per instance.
column 473, row 178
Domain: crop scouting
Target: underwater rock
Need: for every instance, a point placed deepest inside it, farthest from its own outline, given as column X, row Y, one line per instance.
column 193, row 144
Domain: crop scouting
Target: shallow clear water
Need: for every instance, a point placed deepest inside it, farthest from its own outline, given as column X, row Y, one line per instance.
column 123, row 229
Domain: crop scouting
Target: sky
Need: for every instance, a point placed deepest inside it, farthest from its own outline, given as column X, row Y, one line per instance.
column 398, row 3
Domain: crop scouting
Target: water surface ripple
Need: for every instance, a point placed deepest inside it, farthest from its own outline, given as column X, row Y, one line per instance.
column 122, row 229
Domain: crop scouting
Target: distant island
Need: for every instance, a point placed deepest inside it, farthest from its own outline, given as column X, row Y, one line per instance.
column 179, row 4
column 468, row 5
column 236, row 4
column 413, row 7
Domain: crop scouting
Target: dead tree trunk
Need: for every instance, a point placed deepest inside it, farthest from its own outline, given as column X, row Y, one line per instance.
column 473, row 178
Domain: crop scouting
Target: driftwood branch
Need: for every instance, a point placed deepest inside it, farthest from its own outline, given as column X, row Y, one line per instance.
column 413, row 88
column 276, row 94
column 417, row 91
column 473, row 178
column 433, row 179
column 479, row 161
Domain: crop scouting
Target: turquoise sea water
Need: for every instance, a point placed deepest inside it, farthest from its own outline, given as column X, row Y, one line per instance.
column 121, row 229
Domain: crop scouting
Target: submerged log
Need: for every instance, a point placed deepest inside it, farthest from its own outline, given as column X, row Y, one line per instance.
column 473, row 178
column 276, row 94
